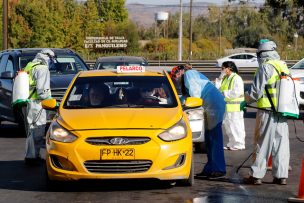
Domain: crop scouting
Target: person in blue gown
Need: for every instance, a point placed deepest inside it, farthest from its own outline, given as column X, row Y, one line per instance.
column 195, row 84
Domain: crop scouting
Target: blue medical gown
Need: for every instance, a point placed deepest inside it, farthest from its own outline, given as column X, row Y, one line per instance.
column 214, row 104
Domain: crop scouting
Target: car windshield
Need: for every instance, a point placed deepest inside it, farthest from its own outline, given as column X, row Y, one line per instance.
column 299, row 65
column 113, row 65
column 64, row 64
column 121, row 92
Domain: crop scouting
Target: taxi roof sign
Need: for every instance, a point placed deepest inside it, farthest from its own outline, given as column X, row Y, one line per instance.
column 130, row 69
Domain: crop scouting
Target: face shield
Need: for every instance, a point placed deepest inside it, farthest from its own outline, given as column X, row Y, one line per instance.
column 264, row 48
column 51, row 57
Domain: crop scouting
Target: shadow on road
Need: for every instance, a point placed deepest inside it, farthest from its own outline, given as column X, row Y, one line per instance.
column 10, row 130
column 15, row 175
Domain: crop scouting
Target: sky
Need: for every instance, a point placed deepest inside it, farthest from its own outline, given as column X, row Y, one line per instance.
column 156, row 2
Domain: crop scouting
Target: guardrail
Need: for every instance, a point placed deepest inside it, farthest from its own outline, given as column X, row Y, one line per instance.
column 200, row 65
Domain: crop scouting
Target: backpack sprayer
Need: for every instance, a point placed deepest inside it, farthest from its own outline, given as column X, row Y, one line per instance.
column 21, row 91
column 287, row 103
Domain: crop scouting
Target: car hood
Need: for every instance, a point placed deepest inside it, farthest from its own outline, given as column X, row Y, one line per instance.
column 61, row 81
column 136, row 118
column 297, row 72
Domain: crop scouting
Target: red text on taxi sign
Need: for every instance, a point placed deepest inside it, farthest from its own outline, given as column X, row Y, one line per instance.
column 130, row 69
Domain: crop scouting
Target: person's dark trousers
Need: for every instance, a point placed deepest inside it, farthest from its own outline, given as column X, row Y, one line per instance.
column 215, row 152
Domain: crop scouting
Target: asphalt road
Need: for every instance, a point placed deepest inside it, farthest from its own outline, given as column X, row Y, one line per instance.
column 21, row 183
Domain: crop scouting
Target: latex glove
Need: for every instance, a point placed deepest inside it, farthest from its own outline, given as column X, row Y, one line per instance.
column 223, row 73
column 243, row 106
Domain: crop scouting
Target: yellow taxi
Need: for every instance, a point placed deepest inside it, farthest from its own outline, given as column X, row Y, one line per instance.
column 120, row 124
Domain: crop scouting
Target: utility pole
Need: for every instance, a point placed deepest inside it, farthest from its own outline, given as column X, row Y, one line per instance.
column 4, row 24
column 220, row 32
column 190, row 33
column 180, row 33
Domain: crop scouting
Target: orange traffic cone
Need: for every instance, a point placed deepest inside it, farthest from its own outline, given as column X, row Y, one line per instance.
column 269, row 164
column 300, row 197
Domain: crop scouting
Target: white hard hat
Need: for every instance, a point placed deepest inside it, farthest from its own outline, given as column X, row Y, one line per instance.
column 48, row 52
column 267, row 46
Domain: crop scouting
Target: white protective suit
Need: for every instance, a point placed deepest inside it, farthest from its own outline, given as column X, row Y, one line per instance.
column 233, row 123
column 271, row 131
column 35, row 116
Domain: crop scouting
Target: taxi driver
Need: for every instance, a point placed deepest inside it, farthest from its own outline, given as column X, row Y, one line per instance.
column 98, row 94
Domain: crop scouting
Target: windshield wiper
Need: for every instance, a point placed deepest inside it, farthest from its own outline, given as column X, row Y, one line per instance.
column 119, row 106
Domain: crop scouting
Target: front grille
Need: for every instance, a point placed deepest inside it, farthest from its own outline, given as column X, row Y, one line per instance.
column 118, row 166
column 117, row 140
column 58, row 93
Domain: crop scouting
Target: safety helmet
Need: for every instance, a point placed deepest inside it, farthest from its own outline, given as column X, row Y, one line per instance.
column 266, row 45
column 48, row 52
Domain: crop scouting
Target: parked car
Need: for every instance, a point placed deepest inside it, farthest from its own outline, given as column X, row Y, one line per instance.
column 135, row 128
column 110, row 62
column 297, row 71
column 245, row 60
column 67, row 66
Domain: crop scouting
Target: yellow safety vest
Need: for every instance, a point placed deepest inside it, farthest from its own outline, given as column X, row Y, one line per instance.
column 29, row 68
column 232, row 105
column 279, row 67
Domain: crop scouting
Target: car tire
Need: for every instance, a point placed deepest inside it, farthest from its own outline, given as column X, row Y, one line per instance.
column 200, row 147
column 190, row 180
column 51, row 185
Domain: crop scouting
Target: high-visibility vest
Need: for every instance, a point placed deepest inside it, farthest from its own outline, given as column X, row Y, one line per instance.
column 29, row 68
column 279, row 67
column 232, row 105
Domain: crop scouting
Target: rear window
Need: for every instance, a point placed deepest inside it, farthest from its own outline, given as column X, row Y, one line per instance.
column 65, row 64
column 299, row 65
column 121, row 92
column 113, row 65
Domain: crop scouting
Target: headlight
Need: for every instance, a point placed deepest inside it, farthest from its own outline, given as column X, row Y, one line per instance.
column 195, row 114
column 60, row 134
column 176, row 132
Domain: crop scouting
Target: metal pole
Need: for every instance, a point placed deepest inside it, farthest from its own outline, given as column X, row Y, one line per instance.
column 190, row 33
column 180, row 33
column 220, row 34
column 4, row 26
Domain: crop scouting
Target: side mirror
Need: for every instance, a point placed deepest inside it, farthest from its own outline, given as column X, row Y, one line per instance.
column 49, row 104
column 7, row 75
column 193, row 102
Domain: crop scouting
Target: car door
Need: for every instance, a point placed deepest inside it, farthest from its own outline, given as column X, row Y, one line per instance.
column 239, row 60
column 6, row 86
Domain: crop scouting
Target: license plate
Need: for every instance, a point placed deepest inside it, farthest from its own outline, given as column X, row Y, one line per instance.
column 117, row 153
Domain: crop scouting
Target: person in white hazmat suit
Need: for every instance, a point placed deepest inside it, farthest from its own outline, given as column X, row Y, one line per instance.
column 271, row 131
column 231, row 85
column 35, row 115
column 195, row 84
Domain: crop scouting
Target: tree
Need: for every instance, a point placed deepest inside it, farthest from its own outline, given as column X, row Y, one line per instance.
column 113, row 10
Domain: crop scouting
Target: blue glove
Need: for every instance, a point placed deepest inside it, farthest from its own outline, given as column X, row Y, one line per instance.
column 243, row 106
